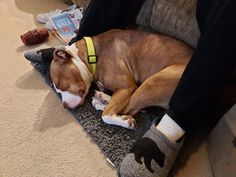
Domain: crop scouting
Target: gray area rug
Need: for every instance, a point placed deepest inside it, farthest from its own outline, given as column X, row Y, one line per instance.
column 114, row 141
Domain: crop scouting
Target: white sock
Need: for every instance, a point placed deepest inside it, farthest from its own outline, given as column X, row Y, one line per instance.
column 170, row 128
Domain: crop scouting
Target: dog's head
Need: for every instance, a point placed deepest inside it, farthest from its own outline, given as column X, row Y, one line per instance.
column 71, row 78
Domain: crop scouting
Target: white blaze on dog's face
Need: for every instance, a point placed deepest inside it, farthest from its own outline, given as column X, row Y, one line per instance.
column 68, row 79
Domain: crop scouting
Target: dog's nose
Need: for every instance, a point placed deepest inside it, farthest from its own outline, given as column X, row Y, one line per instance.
column 66, row 105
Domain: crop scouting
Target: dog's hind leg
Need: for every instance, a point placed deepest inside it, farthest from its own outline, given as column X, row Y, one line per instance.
column 156, row 90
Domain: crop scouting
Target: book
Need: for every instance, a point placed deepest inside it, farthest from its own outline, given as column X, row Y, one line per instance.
column 64, row 26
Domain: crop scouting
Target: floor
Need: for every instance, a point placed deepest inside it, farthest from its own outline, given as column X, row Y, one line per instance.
column 38, row 137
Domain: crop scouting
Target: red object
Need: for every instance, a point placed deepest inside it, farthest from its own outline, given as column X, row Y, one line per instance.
column 34, row 36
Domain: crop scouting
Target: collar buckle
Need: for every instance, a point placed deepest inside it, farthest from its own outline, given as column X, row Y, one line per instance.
column 92, row 59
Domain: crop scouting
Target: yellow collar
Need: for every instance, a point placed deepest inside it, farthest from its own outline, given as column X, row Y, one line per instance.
column 92, row 59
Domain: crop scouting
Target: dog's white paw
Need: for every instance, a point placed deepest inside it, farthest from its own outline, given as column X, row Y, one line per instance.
column 100, row 100
column 97, row 104
column 125, row 121
column 102, row 97
column 130, row 120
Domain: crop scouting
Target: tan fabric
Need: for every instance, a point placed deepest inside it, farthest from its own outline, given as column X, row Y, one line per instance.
column 176, row 18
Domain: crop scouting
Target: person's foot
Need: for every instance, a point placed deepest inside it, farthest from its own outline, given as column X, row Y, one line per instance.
column 151, row 156
column 40, row 55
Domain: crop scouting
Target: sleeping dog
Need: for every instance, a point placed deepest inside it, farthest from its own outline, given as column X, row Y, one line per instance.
column 140, row 69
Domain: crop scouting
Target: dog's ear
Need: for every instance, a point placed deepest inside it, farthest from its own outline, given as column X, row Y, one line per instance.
column 61, row 56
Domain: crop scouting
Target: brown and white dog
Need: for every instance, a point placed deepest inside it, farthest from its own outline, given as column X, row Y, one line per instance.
column 141, row 69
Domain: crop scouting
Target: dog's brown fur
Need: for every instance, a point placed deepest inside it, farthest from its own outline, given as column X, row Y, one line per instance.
column 141, row 69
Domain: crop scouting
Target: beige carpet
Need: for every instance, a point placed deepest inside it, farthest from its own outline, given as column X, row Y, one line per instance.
column 38, row 137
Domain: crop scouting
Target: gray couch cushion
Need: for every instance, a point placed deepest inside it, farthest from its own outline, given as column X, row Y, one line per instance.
column 144, row 16
column 176, row 18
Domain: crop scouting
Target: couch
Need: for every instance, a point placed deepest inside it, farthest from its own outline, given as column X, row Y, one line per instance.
column 177, row 18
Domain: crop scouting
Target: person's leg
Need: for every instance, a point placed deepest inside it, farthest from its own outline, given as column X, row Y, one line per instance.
column 213, row 59
column 103, row 15
column 191, row 105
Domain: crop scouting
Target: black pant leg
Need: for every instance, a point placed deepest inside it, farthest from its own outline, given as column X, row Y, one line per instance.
column 213, row 59
column 103, row 15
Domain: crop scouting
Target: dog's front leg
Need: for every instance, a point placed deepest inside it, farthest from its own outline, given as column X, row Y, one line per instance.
column 112, row 112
